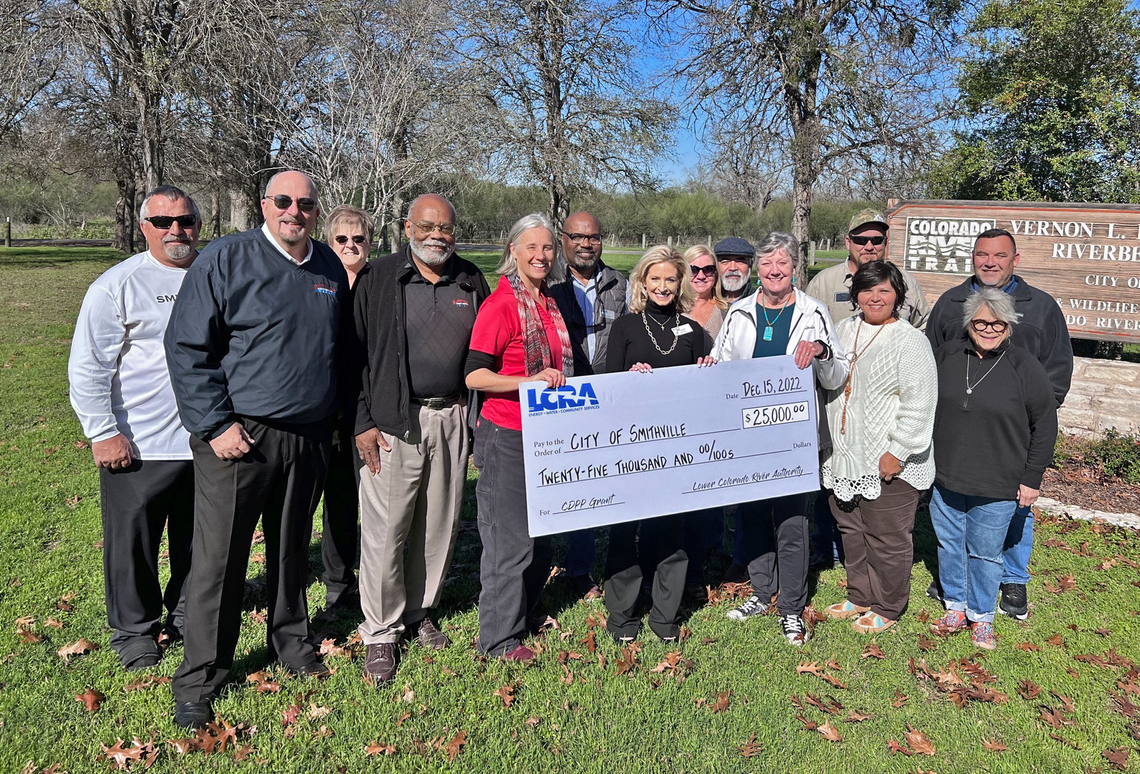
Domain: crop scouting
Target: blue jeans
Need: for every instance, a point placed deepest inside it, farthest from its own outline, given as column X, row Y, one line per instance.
column 1018, row 545
column 971, row 532
column 581, row 550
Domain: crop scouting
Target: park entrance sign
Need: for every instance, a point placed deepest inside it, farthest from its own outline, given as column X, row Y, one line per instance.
column 1087, row 256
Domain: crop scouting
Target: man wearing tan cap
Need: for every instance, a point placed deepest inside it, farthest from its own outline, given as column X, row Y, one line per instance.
column 866, row 241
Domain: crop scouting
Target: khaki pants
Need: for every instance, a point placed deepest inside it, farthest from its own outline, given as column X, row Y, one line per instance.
column 411, row 505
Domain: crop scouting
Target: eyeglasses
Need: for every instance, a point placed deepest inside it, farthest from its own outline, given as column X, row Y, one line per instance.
column 708, row 271
column 868, row 240
column 357, row 239
column 591, row 238
column 427, row 227
column 283, row 202
column 997, row 326
column 166, row 221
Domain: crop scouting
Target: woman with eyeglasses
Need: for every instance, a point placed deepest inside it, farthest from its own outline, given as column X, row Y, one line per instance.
column 780, row 320
column 704, row 530
column 519, row 336
column 994, row 432
column 349, row 231
column 880, row 461
column 655, row 334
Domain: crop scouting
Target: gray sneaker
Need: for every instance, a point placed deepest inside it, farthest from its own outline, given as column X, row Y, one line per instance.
column 752, row 606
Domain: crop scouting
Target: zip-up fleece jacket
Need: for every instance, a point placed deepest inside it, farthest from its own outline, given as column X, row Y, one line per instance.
column 1041, row 329
column 379, row 360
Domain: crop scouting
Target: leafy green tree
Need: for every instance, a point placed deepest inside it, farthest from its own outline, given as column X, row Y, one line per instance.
column 1051, row 99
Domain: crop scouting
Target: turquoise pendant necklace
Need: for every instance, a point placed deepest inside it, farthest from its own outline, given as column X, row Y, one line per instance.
column 770, row 323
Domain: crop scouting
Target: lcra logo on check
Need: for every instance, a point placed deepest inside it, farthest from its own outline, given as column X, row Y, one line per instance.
column 561, row 399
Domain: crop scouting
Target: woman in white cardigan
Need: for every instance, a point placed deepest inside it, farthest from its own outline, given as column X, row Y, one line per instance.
column 779, row 320
column 881, row 421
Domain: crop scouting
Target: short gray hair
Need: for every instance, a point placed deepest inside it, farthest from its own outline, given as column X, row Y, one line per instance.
column 997, row 301
column 174, row 194
column 776, row 241
column 508, row 264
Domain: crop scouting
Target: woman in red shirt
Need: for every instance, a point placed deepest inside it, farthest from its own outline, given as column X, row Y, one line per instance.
column 519, row 336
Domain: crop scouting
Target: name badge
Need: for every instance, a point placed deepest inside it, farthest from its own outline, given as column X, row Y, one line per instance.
column 682, row 329
column 843, row 296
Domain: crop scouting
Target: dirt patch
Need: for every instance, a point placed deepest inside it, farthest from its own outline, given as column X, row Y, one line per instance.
column 1086, row 486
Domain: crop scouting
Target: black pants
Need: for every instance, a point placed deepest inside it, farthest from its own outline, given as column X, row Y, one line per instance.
column 340, row 535
column 660, row 545
column 514, row 566
column 776, row 544
column 279, row 480
column 137, row 502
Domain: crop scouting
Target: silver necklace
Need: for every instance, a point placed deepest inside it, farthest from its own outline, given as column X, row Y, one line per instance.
column 676, row 338
column 971, row 387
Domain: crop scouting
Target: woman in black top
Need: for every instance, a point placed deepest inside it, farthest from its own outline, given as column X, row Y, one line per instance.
column 994, row 431
column 654, row 335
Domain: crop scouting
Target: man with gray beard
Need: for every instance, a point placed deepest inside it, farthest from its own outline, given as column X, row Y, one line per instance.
column 414, row 310
column 734, row 259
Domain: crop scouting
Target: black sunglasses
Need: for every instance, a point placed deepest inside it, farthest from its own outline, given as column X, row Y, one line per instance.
column 708, row 271
column 166, row 221
column 863, row 240
column 283, row 202
column 357, row 239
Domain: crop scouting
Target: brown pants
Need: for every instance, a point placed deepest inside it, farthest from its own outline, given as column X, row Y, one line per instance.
column 878, row 547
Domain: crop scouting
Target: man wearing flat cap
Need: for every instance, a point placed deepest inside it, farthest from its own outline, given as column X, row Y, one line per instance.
column 866, row 241
column 734, row 260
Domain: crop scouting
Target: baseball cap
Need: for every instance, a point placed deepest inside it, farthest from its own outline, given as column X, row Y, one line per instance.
column 865, row 216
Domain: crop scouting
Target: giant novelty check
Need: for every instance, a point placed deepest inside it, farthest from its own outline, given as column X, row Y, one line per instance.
column 620, row 447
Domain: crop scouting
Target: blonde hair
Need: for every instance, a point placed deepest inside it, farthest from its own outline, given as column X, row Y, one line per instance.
column 343, row 215
column 696, row 251
column 638, row 295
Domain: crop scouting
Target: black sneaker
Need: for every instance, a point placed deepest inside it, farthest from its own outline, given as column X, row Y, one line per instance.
column 794, row 630
column 934, row 590
column 752, row 606
column 1013, row 601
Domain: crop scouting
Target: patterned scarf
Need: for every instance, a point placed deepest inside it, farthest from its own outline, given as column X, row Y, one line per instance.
column 538, row 356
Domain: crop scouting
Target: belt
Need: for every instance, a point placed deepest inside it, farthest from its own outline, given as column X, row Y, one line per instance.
column 437, row 403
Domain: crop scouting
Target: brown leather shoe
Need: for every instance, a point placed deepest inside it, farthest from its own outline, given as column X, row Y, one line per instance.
column 380, row 662
column 429, row 635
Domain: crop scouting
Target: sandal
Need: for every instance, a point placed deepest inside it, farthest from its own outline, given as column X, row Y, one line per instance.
column 872, row 623
column 843, row 610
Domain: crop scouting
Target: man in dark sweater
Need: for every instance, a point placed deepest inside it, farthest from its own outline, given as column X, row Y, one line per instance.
column 591, row 296
column 1043, row 332
column 253, row 346
column 414, row 310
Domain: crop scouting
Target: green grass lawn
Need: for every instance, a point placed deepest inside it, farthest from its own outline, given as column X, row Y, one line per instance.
column 570, row 711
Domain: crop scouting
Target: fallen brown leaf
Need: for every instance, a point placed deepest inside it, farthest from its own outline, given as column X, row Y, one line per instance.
column 456, row 745
column 1028, row 647
column 918, row 741
column 830, row 732
column 750, row 748
column 533, row 721
column 378, row 748
column 895, row 746
column 805, row 667
column 90, row 699
column 721, row 702
column 854, row 716
column 506, row 693
column 873, row 651
column 1055, row 641
column 994, row 745
column 78, row 648
column 900, row 699
column 1117, row 758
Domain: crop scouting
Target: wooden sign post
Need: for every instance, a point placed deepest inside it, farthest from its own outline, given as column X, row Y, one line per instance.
column 1087, row 256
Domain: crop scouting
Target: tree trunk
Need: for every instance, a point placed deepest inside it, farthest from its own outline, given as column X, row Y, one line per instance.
column 150, row 134
column 124, row 240
column 802, row 180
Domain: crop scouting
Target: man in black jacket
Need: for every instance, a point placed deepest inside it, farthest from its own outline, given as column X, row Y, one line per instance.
column 591, row 296
column 414, row 310
column 1042, row 331
column 253, row 348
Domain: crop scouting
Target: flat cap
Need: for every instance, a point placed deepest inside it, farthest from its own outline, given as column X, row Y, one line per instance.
column 734, row 246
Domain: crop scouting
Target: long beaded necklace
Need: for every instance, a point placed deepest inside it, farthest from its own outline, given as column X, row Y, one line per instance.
column 856, row 353
column 676, row 338
column 971, row 387
column 770, row 323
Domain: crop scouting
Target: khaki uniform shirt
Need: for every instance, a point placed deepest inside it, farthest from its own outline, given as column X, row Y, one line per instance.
column 832, row 288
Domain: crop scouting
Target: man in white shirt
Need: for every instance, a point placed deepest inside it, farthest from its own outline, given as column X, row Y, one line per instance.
column 121, row 392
